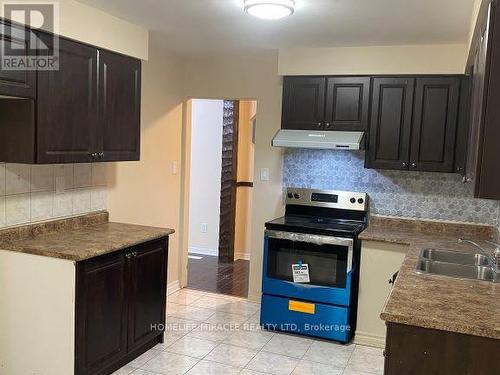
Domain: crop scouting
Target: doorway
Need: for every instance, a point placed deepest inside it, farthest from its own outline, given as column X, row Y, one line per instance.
column 220, row 149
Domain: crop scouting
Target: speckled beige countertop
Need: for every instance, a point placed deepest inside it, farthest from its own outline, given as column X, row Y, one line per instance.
column 438, row 302
column 78, row 239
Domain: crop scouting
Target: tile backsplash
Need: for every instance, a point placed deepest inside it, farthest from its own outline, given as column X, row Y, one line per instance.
column 32, row 193
column 423, row 195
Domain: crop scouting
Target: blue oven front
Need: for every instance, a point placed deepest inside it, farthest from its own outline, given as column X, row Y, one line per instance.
column 320, row 307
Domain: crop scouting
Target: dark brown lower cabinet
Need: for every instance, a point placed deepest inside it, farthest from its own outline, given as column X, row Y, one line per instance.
column 414, row 350
column 120, row 306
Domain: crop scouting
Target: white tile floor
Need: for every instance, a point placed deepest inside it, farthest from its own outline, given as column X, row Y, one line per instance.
column 217, row 334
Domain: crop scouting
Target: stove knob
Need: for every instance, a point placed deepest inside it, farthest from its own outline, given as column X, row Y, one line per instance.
column 297, row 196
column 353, row 200
column 361, row 201
column 290, row 195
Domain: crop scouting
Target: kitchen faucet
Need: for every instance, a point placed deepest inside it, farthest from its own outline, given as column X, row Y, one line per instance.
column 493, row 258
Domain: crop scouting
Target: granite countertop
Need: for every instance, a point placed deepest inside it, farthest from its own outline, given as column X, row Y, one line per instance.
column 431, row 301
column 83, row 241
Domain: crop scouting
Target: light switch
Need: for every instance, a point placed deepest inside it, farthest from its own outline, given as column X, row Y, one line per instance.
column 204, row 228
column 174, row 167
column 264, row 174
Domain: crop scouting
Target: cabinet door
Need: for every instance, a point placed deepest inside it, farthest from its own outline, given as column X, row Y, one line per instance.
column 148, row 278
column 463, row 125
column 390, row 124
column 347, row 102
column 487, row 161
column 14, row 41
column 304, row 103
column 119, row 107
column 434, row 131
column 67, row 105
column 101, row 313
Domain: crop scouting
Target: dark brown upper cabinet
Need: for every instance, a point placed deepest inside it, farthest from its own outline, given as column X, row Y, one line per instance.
column 347, row 102
column 67, row 105
column 13, row 82
column 304, row 103
column 414, row 123
column 390, row 126
column 119, row 106
column 87, row 110
column 325, row 103
column 483, row 151
column 435, row 115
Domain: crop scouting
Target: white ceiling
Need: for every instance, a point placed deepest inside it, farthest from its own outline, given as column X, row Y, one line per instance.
column 212, row 26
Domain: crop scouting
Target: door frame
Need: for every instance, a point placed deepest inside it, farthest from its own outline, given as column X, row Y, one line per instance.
column 186, row 183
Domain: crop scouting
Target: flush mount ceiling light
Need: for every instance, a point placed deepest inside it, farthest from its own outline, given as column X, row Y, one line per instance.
column 270, row 9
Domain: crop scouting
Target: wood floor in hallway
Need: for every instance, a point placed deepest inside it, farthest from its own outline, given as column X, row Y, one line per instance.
column 209, row 275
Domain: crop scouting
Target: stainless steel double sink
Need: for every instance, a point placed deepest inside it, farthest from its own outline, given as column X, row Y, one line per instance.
column 456, row 264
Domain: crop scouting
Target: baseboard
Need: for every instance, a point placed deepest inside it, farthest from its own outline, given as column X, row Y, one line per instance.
column 244, row 256
column 254, row 297
column 202, row 251
column 368, row 339
column 173, row 287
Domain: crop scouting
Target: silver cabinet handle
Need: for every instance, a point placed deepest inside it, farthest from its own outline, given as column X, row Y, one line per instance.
column 319, row 124
column 413, row 165
column 405, row 164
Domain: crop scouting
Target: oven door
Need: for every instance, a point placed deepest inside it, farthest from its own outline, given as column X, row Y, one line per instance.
column 329, row 261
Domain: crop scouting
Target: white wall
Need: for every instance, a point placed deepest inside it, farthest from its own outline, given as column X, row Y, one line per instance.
column 418, row 59
column 206, row 168
column 34, row 193
column 475, row 14
column 90, row 25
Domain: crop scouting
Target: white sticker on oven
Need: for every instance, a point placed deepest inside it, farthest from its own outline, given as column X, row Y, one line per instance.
column 300, row 273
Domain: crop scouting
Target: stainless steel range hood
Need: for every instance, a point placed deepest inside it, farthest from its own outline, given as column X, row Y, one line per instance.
column 333, row 140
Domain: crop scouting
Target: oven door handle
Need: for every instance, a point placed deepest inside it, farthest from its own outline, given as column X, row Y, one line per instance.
column 317, row 240
column 312, row 238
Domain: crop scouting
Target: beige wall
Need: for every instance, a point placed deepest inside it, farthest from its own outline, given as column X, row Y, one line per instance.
column 248, row 77
column 37, row 315
column 246, row 149
column 148, row 192
column 205, row 175
column 379, row 261
column 423, row 59
column 90, row 25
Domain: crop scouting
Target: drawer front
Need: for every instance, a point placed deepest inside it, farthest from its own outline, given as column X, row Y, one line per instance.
column 307, row 318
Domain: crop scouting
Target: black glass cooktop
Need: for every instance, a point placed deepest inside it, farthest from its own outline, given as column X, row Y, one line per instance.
column 316, row 225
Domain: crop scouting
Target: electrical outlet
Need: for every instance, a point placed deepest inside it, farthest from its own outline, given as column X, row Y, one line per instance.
column 204, row 228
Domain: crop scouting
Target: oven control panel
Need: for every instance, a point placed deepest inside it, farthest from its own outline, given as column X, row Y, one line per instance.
column 327, row 198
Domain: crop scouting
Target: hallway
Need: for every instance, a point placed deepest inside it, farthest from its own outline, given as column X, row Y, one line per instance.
column 209, row 275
